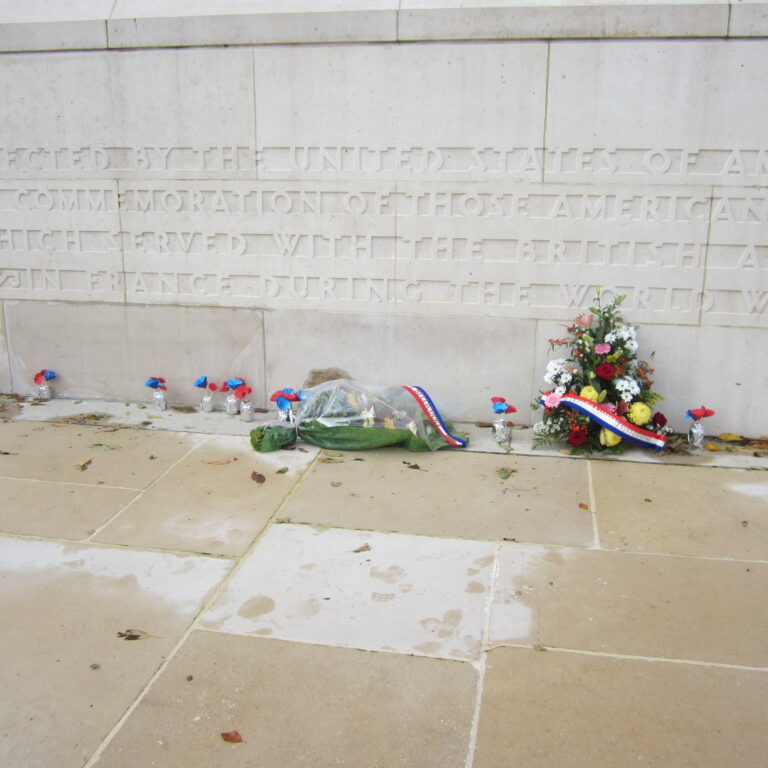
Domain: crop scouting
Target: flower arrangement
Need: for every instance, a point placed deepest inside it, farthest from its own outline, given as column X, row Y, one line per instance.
column 601, row 393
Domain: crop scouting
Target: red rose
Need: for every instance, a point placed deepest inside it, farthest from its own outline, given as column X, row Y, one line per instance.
column 622, row 408
column 577, row 436
column 605, row 371
column 659, row 419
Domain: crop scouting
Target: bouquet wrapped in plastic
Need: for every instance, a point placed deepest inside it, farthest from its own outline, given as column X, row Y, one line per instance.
column 345, row 415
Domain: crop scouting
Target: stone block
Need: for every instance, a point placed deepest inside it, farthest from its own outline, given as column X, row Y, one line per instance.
column 60, row 240
column 737, row 259
column 461, row 362
column 749, row 18
column 109, row 351
column 5, row 367
column 461, row 20
column 140, row 23
column 103, row 115
column 661, row 112
column 47, row 25
column 395, row 112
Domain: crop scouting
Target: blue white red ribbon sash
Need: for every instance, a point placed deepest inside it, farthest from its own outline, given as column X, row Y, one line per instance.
column 429, row 408
column 616, row 424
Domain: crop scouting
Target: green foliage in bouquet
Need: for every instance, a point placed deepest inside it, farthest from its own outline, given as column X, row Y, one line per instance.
column 601, row 366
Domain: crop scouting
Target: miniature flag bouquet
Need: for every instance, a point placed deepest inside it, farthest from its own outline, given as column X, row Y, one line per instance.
column 601, row 395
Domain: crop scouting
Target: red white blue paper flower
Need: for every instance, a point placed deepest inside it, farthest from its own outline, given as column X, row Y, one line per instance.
column 44, row 375
column 500, row 405
column 699, row 413
column 155, row 382
column 284, row 397
column 203, row 383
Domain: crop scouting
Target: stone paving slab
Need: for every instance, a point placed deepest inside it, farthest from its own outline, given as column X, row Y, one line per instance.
column 73, row 453
column 298, row 705
column 58, row 510
column 66, row 675
column 563, row 710
column 209, row 502
column 648, row 605
column 710, row 513
column 451, row 494
column 376, row 591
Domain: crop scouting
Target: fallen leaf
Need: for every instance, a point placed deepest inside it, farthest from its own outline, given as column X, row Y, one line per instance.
column 333, row 454
column 282, row 520
column 364, row 548
column 335, row 484
column 141, row 406
column 566, row 451
column 358, row 459
column 8, row 453
column 730, row 437
column 582, row 505
column 132, row 634
column 257, row 477
column 233, row 737
column 331, row 461
column 539, row 648
column 413, row 466
column 711, row 447
column 483, row 424
column 190, row 678
column 105, row 447
column 144, row 423
column 647, row 499
column 154, row 416
column 95, row 666
column 281, row 471
column 184, row 408
column 218, row 462
column 83, row 465
column 289, row 448
column 745, row 523
column 77, row 402
column 152, row 456
column 505, row 472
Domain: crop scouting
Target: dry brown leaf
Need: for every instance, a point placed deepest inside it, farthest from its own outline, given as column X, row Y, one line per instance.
column 8, row 453
column 711, row 447
column 363, row 548
column 257, row 477
column 413, row 466
column 83, row 465
column 483, row 424
column 331, row 461
column 730, row 437
column 583, row 505
column 154, row 416
column 219, row 462
column 281, row 471
column 233, row 737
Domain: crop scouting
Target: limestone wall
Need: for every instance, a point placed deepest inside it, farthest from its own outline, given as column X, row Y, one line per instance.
column 419, row 192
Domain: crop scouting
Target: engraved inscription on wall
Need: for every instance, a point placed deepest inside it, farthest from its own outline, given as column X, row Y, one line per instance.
column 452, row 246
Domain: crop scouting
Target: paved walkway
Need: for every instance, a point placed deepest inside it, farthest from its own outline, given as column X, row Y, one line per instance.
column 161, row 588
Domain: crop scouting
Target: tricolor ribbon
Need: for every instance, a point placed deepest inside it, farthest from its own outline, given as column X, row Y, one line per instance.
column 431, row 412
column 616, row 424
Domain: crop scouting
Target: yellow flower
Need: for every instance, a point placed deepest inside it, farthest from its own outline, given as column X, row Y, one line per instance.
column 609, row 438
column 639, row 414
column 590, row 393
column 389, row 424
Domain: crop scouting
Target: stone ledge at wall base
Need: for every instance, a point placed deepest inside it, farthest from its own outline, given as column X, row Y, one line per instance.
column 46, row 25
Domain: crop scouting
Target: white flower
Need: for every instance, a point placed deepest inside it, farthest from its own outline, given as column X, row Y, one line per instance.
column 627, row 388
column 560, row 390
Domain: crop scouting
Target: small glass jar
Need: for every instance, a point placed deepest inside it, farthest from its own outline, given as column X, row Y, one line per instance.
column 206, row 404
column 159, row 400
column 44, row 391
column 502, row 433
column 246, row 411
column 231, row 405
column 696, row 434
column 285, row 414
